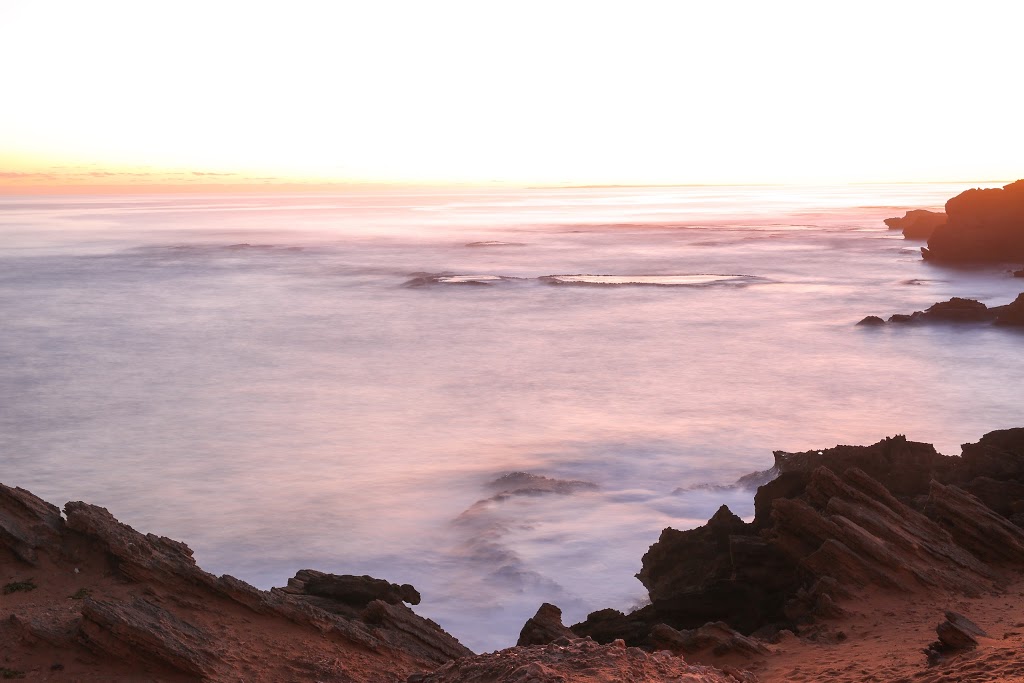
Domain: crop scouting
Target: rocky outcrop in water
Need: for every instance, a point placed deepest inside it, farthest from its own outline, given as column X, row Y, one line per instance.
column 895, row 516
column 917, row 224
column 981, row 226
column 139, row 606
column 959, row 310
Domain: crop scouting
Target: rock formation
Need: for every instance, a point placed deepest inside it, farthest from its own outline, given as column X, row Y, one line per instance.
column 895, row 515
column 981, row 226
column 917, row 224
column 958, row 310
column 544, row 627
column 579, row 660
column 140, row 607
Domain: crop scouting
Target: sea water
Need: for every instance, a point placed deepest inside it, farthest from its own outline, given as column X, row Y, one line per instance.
column 345, row 382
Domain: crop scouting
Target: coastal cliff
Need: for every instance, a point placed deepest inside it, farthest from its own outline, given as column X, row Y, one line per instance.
column 850, row 548
column 981, row 226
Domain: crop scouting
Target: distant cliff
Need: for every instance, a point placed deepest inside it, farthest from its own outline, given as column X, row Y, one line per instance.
column 982, row 226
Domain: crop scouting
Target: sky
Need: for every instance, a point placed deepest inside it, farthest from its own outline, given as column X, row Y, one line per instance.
column 108, row 94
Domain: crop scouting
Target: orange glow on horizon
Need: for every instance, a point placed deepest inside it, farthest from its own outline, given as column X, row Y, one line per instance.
column 124, row 95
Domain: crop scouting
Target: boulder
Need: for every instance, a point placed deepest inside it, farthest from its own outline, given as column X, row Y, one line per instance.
column 872, row 320
column 958, row 632
column 544, row 627
column 981, row 226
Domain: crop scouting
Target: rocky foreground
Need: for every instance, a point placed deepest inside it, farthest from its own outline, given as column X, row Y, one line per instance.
column 888, row 562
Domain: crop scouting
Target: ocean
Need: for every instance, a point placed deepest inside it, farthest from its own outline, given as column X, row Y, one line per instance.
column 499, row 396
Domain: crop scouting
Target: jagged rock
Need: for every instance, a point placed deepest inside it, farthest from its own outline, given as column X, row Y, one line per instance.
column 544, row 627
column 348, row 590
column 958, row 632
column 981, row 226
column 138, row 557
column 903, row 467
column 574, row 662
column 715, row 637
column 872, row 320
column 917, row 224
column 987, row 535
column 145, row 603
column 608, row 625
column 140, row 629
column 27, row 523
column 687, row 561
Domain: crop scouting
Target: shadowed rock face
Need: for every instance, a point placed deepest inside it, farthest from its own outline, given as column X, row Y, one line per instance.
column 544, row 627
column 894, row 515
column 981, row 226
column 917, row 224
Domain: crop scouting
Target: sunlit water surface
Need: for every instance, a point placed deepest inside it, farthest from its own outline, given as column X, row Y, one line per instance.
column 336, row 382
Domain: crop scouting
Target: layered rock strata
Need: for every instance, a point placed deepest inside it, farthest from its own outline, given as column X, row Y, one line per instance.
column 896, row 515
column 94, row 599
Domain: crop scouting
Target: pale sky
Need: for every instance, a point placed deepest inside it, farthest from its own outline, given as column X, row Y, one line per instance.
column 517, row 92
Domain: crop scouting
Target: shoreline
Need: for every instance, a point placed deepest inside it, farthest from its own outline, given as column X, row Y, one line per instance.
column 105, row 602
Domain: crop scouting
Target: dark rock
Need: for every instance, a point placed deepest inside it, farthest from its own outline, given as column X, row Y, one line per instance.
column 958, row 632
column 1003, row 497
column 27, row 523
column 981, row 226
column 987, row 535
column 872, row 320
column 1012, row 313
column 1018, row 273
column 544, row 627
column 349, row 590
column 917, row 224
column 958, row 310
column 608, row 625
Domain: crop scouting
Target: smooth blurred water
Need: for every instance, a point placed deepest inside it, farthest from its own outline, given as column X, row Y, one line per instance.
column 291, row 404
